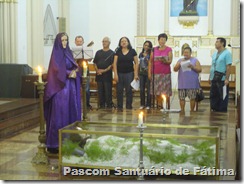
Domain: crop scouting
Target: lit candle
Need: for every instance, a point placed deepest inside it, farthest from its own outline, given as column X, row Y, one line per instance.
column 140, row 119
column 39, row 69
column 163, row 101
column 84, row 69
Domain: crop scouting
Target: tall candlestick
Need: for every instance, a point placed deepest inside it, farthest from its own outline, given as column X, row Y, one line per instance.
column 84, row 69
column 39, row 69
column 140, row 119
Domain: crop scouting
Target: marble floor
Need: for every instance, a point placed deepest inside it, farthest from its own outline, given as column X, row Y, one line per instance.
column 16, row 152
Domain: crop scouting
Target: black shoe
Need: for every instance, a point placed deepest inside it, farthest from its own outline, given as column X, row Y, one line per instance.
column 89, row 107
column 119, row 110
column 102, row 107
column 52, row 150
column 113, row 105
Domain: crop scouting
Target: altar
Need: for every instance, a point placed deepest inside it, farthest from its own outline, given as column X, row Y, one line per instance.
column 115, row 149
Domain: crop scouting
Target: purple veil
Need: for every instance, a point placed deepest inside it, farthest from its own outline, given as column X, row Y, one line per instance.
column 62, row 102
column 56, row 75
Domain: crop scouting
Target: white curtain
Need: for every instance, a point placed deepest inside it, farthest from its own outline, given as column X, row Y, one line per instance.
column 8, row 31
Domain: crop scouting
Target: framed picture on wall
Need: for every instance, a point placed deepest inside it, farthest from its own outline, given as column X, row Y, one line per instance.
column 188, row 8
column 186, row 15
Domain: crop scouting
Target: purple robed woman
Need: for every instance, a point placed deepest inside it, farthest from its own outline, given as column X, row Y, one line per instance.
column 62, row 102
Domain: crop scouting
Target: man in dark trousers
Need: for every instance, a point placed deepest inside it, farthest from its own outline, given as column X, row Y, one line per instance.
column 219, row 76
column 103, row 64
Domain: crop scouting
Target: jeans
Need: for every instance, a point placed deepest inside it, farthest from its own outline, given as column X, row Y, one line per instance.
column 145, row 83
column 216, row 97
column 105, row 93
column 124, row 83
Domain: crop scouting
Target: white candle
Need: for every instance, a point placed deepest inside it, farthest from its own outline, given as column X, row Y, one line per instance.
column 84, row 69
column 140, row 119
column 163, row 101
column 39, row 69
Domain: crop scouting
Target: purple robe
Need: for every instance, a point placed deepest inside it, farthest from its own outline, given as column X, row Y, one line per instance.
column 62, row 101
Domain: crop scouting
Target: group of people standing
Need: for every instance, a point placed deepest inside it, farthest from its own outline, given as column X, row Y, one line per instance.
column 62, row 102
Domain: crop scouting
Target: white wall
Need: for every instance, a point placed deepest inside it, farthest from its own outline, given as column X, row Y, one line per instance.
column 79, row 20
column 22, row 33
column 155, row 17
column 222, row 17
column 98, row 19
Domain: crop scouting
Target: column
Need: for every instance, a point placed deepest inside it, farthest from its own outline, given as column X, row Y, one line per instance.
column 35, row 41
column 210, row 17
column 8, row 30
column 64, row 11
column 166, row 17
column 141, row 17
column 235, row 17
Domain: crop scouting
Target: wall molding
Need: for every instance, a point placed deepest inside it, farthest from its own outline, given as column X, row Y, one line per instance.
column 206, row 43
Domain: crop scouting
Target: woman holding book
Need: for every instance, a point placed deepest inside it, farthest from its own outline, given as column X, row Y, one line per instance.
column 159, row 72
column 188, row 82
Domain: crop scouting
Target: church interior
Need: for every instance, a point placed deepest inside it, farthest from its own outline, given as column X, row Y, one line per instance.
column 26, row 41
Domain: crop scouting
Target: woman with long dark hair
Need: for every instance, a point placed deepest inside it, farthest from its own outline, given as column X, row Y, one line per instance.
column 125, row 71
column 144, row 58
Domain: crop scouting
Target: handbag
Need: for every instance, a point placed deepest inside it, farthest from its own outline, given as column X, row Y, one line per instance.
column 199, row 95
column 218, row 76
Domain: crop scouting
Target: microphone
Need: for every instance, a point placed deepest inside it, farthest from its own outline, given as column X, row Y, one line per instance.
column 229, row 45
column 112, row 53
column 90, row 44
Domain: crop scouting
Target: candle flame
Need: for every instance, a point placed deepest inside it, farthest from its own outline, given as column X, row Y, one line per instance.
column 84, row 64
column 164, row 98
column 39, row 69
column 141, row 115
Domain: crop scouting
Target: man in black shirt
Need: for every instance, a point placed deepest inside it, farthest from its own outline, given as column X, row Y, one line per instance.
column 103, row 64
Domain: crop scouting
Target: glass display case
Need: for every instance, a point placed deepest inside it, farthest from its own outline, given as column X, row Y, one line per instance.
column 119, row 147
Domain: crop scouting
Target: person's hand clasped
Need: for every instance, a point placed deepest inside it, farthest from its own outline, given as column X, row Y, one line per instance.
column 72, row 74
column 99, row 71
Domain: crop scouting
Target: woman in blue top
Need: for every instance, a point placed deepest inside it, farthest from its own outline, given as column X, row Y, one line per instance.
column 144, row 57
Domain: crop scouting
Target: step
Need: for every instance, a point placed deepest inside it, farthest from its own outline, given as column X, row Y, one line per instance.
column 17, row 107
column 20, row 123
